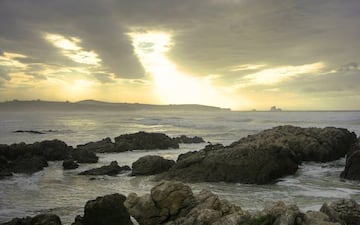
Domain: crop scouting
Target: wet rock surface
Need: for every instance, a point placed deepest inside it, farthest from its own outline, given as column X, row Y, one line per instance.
column 102, row 146
column 70, row 164
column 352, row 166
column 111, row 170
column 42, row 219
column 345, row 212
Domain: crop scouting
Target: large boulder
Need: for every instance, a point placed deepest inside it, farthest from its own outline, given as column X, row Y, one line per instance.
column 28, row 165
column 244, row 163
column 111, row 170
column 263, row 157
column 104, row 145
column 143, row 140
column 318, row 218
column 42, row 219
column 106, row 210
column 173, row 203
column 52, row 150
column 344, row 211
column 352, row 166
column 151, row 164
column 84, row 156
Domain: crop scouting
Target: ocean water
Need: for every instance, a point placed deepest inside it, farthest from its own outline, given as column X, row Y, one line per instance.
column 65, row 193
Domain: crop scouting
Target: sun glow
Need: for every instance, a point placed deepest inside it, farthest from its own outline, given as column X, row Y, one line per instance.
column 171, row 85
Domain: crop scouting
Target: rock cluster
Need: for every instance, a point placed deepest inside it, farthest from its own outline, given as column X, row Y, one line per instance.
column 42, row 219
column 263, row 157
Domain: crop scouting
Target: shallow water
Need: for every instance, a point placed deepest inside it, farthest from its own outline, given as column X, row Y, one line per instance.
column 65, row 193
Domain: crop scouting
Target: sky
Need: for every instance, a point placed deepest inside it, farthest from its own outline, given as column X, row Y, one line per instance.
column 238, row 54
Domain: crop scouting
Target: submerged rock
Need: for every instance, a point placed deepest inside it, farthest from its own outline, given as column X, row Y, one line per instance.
column 352, row 167
column 84, row 156
column 143, row 140
column 111, row 170
column 151, row 164
column 105, row 145
column 42, row 219
column 106, row 210
column 70, row 164
column 263, row 157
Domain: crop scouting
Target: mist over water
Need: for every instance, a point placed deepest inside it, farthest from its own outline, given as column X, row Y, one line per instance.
column 65, row 193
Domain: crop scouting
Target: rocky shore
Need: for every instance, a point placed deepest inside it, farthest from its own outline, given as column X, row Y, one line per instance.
column 174, row 203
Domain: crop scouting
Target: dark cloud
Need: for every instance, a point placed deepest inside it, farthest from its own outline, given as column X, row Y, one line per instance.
column 103, row 77
column 4, row 74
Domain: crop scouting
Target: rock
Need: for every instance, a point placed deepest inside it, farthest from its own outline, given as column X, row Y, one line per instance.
column 29, row 131
column 188, row 140
column 173, row 203
column 264, row 157
column 84, row 156
column 344, row 211
column 105, row 145
column 318, row 218
column 111, row 170
column 151, row 164
column 352, row 166
column 42, row 219
column 4, row 174
column 245, row 163
column 283, row 214
column 51, row 150
column 143, row 140
column 106, row 210
column 28, row 165
column 70, row 164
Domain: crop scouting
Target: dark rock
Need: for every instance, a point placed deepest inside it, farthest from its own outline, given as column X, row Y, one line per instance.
column 344, row 211
column 84, row 156
column 28, row 131
column 242, row 163
column 188, row 140
column 263, row 157
column 111, row 170
column 28, row 165
column 70, row 164
column 352, row 167
column 318, row 218
column 144, row 140
column 4, row 174
column 151, row 164
column 51, row 150
column 42, row 219
column 105, row 145
column 106, row 210
column 283, row 214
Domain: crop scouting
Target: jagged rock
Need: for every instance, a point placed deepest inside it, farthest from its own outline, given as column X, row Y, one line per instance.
column 189, row 140
column 263, row 157
column 106, row 210
column 42, row 219
column 70, row 164
column 352, row 167
column 283, row 214
column 173, row 203
column 318, row 218
column 151, row 164
column 105, row 145
column 167, row 201
column 84, row 156
column 143, row 140
column 344, row 211
column 110, row 170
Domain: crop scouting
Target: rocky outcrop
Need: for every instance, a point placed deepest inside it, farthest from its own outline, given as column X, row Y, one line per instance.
column 151, row 164
column 189, row 140
column 28, row 165
column 84, row 156
column 263, row 157
column 352, row 166
column 345, row 212
column 105, row 145
column 106, row 210
column 70, row 164
column 317, row 218
column 111, row 170
column 143, row 140
column 42, row 219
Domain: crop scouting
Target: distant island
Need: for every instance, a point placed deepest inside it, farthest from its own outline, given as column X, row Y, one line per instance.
column 275, row 109
column 93, row 105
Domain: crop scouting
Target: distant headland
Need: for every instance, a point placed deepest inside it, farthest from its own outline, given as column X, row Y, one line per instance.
column 93, row 105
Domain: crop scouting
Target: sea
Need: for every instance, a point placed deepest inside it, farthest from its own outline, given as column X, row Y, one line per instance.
column 65, row 193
